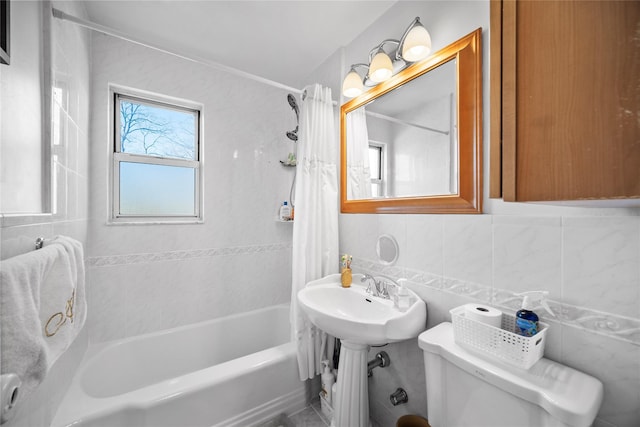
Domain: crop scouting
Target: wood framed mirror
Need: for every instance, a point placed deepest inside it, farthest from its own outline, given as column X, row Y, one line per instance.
column 413, row 144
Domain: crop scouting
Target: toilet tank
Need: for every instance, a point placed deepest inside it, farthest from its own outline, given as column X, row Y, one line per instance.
column 466, row 389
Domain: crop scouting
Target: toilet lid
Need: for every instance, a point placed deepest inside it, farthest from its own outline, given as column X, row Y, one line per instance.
column 570, row 396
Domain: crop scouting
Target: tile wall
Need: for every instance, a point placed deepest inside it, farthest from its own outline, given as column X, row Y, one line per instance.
column 150, row 277
column 70, row 60
column 589, row 264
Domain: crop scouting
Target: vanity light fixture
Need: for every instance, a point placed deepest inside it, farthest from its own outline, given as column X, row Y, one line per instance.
column 414, row 45
column 352, row 85
column 380, row 67
column 416, row 42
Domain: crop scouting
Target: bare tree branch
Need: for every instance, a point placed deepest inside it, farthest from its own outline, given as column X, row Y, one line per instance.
column 152, row 134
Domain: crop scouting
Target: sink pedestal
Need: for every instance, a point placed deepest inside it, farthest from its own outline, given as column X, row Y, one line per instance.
column 352, row 395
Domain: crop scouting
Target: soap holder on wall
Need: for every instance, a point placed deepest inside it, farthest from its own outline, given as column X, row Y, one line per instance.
column 291, row 160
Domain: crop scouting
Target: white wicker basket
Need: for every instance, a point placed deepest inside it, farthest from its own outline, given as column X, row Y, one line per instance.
column 499, row 343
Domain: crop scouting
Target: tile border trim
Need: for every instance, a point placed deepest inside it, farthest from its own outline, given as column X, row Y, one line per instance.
column 140, row 258
column 607, row 324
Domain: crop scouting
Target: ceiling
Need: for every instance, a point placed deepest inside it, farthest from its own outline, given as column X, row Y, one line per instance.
column 283, row 41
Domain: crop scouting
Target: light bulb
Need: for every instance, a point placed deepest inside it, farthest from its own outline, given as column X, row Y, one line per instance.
column 352, row 85
column 381, row 68
column 417, row 44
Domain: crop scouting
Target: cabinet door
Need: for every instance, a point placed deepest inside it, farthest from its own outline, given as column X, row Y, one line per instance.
column 568, row 97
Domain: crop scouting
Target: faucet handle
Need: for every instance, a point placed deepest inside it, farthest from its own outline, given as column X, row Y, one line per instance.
column 372, row 282
column 385, row 283
column 384, row 292
column 391, row 289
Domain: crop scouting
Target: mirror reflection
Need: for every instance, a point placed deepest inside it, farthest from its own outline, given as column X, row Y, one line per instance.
column 404, row 143
column 26, row 115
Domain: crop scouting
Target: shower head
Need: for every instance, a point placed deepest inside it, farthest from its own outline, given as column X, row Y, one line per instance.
column 294, row 105
column 293, row 135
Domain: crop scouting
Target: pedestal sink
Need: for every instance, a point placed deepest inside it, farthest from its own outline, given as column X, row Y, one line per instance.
column 359, row 320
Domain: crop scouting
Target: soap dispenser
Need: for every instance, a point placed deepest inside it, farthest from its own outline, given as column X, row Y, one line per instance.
column 526, row 318
column 402, row 299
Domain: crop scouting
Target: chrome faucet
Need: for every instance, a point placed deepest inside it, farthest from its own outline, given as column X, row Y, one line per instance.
column 378, row 287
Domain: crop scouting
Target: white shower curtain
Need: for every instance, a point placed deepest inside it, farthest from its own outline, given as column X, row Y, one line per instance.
column 315, row 230
column 358, row 172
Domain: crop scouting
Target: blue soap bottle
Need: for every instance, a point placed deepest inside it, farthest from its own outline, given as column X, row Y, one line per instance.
column 526, row 318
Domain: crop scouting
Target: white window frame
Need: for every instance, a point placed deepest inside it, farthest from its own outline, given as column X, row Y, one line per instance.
column 382, row 182
column 115, row 217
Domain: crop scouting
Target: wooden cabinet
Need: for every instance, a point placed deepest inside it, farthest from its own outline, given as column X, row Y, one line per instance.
column 565, row 100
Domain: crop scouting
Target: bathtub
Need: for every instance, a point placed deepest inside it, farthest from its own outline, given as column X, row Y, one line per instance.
column 239, row 370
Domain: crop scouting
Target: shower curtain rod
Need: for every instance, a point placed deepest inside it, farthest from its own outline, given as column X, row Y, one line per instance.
column 304, row 96
column 404, row 122
column 57, row 13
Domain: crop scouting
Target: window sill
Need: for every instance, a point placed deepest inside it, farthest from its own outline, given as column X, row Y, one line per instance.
column 13, row 220
column 154, row 221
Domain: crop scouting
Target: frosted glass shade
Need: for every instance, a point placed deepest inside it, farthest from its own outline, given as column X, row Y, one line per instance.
column 417, row 44
column 352, row 85
column 381, row 67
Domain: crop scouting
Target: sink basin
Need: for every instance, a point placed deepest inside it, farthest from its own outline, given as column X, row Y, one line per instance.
column 354, row 315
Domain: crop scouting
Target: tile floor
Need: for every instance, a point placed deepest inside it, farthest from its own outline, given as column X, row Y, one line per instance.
column 311, row 416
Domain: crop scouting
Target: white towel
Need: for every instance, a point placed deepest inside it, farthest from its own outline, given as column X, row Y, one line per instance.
column 42, row 308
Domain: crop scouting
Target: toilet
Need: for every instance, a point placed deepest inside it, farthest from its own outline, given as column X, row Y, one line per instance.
column 468, row 389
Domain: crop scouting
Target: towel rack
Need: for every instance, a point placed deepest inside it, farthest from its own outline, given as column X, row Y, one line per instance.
column 39, row 243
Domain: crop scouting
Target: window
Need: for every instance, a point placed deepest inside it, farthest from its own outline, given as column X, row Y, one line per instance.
column 156, row 161
column 376, row 166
